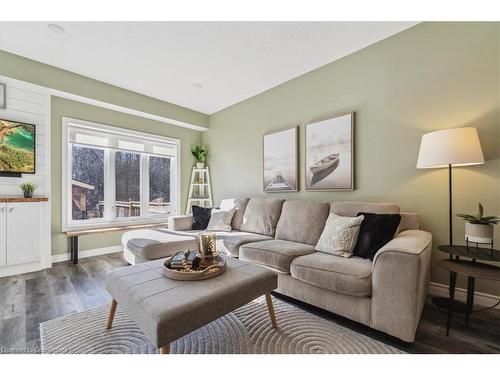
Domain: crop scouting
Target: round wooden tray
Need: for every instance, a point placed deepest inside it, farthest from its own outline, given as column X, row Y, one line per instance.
column 192, row 275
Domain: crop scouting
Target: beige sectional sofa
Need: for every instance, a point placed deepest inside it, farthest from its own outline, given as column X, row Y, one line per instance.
column 387, row 294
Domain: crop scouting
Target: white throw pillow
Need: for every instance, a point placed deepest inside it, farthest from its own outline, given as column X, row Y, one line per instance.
column 340, row 235
column 221, row 220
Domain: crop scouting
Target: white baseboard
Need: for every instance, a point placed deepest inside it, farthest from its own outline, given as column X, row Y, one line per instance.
column 88, row 253
column 20, row 269
column 483, row 299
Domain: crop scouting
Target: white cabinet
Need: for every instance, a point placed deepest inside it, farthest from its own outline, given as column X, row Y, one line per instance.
column 20, row 234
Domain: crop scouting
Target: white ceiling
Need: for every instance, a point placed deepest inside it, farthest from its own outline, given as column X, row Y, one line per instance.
column 231, row 60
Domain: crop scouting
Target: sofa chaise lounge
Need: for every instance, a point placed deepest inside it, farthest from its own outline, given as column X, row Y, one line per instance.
column 387, row 294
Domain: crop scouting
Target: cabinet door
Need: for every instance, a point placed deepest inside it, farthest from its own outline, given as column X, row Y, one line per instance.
column 3, row 235
column 23, row 233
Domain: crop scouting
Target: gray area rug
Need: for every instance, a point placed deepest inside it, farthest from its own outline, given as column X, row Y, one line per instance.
column 246, row 330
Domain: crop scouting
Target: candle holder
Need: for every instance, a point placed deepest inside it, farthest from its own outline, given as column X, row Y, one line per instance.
column 208, row 249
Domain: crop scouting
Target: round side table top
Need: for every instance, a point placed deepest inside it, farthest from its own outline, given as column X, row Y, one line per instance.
column 471, row 269
column 472, row 252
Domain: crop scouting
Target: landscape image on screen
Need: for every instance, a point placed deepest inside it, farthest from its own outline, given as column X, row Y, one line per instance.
column 17, row 147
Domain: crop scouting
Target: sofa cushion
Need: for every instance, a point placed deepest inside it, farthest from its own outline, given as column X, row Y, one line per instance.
column 261, row 215
column 350, row 276
column 201, row 217
column 157, row 243
column 376, row 230
column 302, row 221
column 276, row 254
column 352, row 208
column 241, row 205
column 221, row 220
column 229, row 242
column 340, row 235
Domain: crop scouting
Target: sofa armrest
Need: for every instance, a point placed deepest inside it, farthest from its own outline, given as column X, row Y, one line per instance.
column 181, row 222
column 400, row 279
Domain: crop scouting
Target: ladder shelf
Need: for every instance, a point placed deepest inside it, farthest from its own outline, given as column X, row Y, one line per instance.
column 200, row 191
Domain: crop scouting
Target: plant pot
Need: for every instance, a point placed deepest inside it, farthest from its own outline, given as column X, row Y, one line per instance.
column 480, row 233
column 28, row 194
column 200, row 165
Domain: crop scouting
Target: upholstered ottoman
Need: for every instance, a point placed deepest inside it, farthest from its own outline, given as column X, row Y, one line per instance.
column 168, row 309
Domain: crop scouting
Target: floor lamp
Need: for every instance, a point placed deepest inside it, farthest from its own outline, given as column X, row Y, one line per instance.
column 450, row 148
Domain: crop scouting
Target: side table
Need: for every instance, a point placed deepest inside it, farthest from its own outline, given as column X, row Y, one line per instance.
column 472, row 270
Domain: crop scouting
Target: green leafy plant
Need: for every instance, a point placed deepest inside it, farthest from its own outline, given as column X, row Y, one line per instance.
column 28, row 188
column 199, row 154
column 479, row 218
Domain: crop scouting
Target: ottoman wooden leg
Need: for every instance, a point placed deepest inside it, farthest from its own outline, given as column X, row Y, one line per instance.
column 165, row 349
column 270, row 307
column 112, row 311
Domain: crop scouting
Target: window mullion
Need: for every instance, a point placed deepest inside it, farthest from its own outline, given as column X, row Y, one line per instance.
column 145, row 185
column 110, row 185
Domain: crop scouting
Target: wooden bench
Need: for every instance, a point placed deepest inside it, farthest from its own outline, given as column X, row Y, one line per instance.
column 74, row 234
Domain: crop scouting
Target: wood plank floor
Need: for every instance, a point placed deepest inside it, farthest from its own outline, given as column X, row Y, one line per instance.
column 29, row 299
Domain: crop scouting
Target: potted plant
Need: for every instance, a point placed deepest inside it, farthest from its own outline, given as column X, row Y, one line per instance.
column 479, row 228
column 28, row 188
column 200, row 155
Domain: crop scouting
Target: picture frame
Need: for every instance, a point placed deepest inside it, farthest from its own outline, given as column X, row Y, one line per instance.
column 329, row 153
column 280, row 165
column 3, row 96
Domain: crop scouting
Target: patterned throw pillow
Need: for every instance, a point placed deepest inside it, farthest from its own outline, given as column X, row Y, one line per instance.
column 340, row 235
column 221, row 220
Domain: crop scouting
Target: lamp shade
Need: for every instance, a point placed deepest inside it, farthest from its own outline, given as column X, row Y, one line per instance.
column 456, row 147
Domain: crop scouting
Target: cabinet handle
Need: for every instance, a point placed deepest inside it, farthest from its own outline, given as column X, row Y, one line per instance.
column 11, row 209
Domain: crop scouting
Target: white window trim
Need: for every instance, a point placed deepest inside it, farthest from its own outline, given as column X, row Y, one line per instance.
column 107, row 221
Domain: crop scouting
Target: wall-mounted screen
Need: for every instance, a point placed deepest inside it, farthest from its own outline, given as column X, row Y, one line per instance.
column 17, row 147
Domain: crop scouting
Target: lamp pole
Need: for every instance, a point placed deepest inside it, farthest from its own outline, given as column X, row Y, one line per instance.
column 450, row 205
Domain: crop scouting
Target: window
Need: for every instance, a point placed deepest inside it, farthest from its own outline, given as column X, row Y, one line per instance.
column 87, row 182
column 159, row 185
column 116, row 176
column 127, row 184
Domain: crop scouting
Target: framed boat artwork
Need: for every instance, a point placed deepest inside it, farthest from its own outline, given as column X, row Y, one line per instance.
column 280, row 160
column 330, row 153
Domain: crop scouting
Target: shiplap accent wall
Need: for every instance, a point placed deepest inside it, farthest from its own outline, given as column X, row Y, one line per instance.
column 31, row 104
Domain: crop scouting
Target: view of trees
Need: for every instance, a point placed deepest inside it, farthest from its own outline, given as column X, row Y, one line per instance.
column 88, row 167
column 159, row 178
column 128, row 176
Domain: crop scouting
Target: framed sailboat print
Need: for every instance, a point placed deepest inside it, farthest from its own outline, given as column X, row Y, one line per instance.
column 280, row 160
column 330, row 153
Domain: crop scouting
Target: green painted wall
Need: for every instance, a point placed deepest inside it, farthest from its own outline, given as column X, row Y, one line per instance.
column 430, row 77
column 31, row 71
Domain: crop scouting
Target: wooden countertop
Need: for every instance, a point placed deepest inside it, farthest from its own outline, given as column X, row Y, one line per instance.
column 22, row 199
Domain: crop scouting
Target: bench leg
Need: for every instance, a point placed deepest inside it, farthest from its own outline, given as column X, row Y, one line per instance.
column 73, row 243
column 270, row 307
column 112, row 311
column 165, row 349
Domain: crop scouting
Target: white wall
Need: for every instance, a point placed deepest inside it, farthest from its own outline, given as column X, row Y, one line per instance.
column 31, row 104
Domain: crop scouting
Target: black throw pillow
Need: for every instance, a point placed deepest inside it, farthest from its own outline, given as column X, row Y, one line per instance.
column 201, row 217
column 376, row 230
